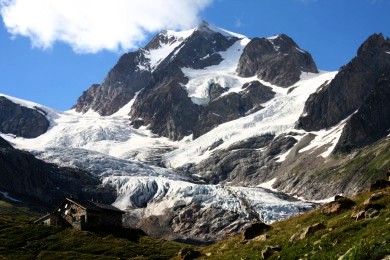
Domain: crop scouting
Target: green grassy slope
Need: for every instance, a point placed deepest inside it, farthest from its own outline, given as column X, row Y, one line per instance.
column 20, row 239
column 361, row 239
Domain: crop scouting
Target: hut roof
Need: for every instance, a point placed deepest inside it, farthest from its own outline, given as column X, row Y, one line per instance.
column 92, row 205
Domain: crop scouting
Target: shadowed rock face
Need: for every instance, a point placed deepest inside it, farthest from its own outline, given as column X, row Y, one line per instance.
column 200, row 50
column 23, row 174
column 371, row 122
column 21, row 121
column 279, row 60
column 348, row 91
column 167, row 109
column 4, row 143
column 247, row 162
column 118, row 88
column 232, row 106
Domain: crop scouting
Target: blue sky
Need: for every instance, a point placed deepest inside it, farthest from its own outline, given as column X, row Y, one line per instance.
column 51, row 66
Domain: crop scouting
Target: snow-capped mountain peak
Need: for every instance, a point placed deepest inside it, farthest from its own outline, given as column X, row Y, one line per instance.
column 206, row 27
column 198, row 121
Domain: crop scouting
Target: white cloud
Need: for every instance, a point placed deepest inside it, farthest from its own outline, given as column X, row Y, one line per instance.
column 89, row 26
column 238, row 23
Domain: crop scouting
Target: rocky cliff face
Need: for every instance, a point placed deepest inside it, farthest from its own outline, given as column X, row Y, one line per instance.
column 119, row 86
column 21, row 121
column 23, row 174
column 277, row 60
column 350, row 88
column 371, row 122
column 232, row 106
column 4, row 143
column 248, row 162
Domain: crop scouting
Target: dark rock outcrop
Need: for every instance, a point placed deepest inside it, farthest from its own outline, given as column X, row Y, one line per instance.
column 21, row 121
column 22, row 174
column 4, row 143
column 366, row 211
column 309, row 175
column 119, row 86
column 371, row 122
column 339, row 205
column 255, row 229
column 269, row 251
column 192, row 223
column 188, row 254
column 277, row 60
column 132, row 73
column 244, row 162
column 379, row 184
column 232, row 106
column 200, row 50
column 167, row 110
column 348, row 91
column 205, row 223
column 307, row 232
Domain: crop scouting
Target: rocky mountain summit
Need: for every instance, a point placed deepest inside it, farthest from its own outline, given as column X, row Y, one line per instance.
column 277, row 60
column 158, row 72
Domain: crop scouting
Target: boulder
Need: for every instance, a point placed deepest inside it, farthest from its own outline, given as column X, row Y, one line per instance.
column 307, row 232
column 262, row 237
column 254, row 230
column 188, row 254
column 379, row 185
column 339, row 205
column 269, row 251
column 376, row 196
column 371, row 213
column 358, row 214
column 366, row 211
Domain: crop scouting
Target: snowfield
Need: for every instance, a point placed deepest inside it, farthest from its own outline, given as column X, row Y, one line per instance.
column 279, row 116
column 116, row 152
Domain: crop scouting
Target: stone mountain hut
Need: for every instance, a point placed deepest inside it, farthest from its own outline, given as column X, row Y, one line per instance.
column 83, row 215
